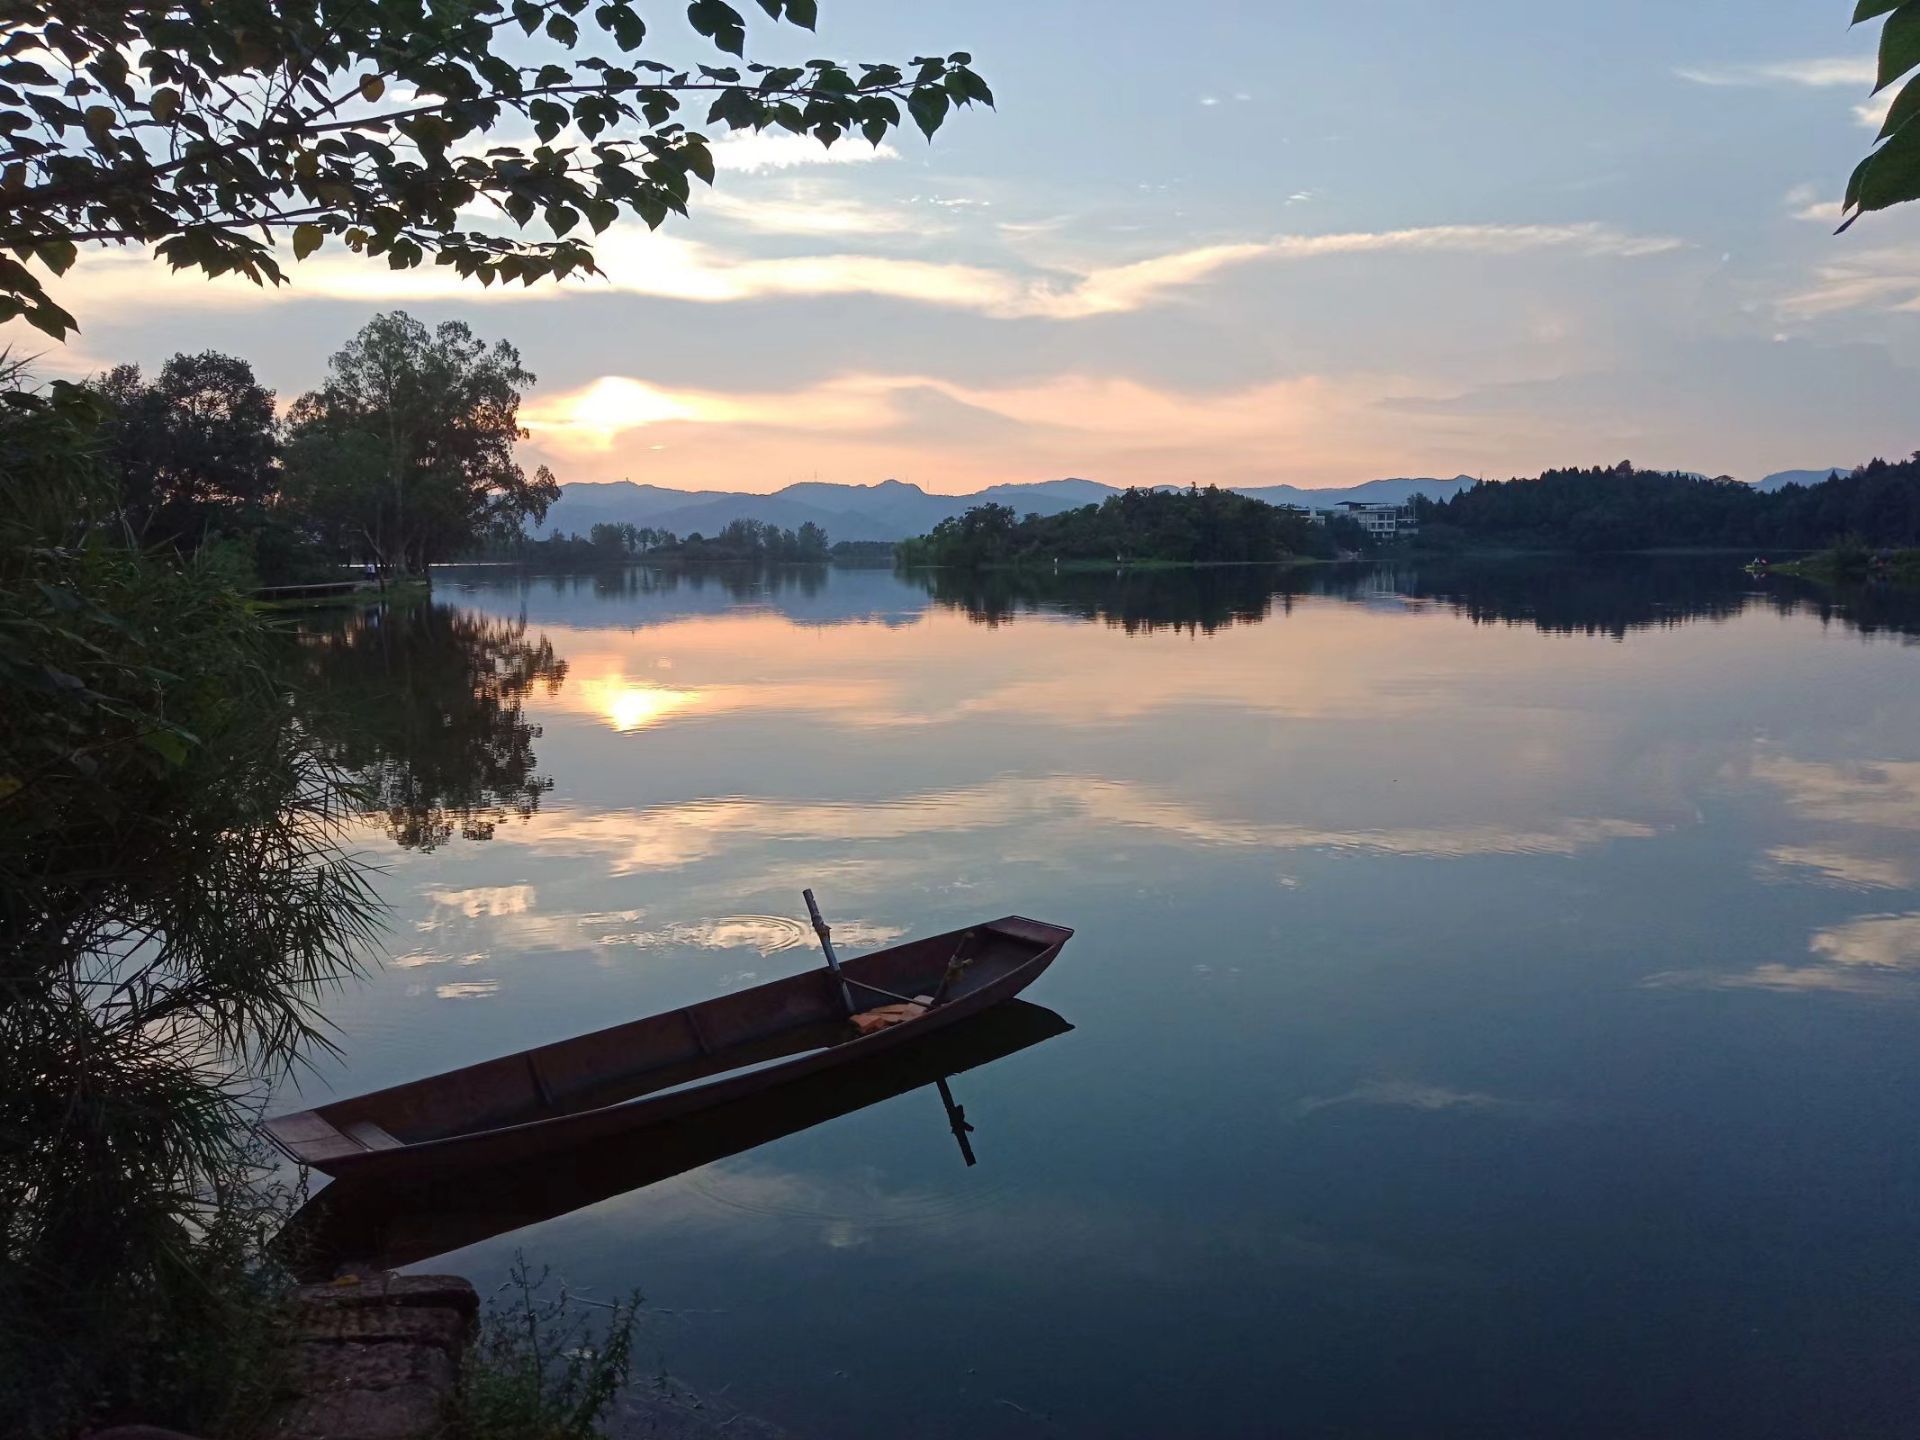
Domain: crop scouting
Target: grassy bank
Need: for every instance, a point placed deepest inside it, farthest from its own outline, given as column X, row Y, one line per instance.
column 1854, row 565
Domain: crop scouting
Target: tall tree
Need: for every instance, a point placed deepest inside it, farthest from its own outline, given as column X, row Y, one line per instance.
column 214, row 129
column 406, row 452
column 195, row 449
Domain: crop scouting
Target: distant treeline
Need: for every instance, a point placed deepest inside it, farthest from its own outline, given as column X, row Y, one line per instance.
column 1192, row 526
column 749, row 541
column 1628, row 509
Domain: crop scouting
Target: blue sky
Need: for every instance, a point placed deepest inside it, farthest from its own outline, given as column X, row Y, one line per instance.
column 1288, row 242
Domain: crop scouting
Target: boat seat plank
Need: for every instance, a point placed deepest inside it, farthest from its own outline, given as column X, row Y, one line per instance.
column 370, row 1135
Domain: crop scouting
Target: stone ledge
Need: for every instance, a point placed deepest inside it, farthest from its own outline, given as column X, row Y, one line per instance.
column 448, row 1292
column 323, row 1369
column 403, row 1412
column 445, row 1330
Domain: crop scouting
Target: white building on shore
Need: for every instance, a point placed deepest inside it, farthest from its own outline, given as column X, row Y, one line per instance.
column 1381, row 522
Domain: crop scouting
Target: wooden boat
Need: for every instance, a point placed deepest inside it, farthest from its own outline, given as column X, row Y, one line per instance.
column 388, row 1223
column 595, row 1086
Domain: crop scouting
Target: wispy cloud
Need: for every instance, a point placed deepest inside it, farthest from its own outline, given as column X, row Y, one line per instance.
column 636, row 261
column 1882, row 279
column 1873, row 113
column 751, row 152
column 1803, row 202
column 1784, row 979
column 1860, row 70
column 1117, row 288
column 808, row 213
column 1878, row 942
column 1407, row 1095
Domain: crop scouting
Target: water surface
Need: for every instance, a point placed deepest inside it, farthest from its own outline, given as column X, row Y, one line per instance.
column 1493, row 995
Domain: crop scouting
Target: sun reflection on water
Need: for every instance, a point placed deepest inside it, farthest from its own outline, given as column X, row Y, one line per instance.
column 631, row 706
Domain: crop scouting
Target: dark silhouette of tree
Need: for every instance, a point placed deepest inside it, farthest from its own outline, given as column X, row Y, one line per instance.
column 406, row 452
column 1621, row 508
column 196, row 451
column 1192, row 526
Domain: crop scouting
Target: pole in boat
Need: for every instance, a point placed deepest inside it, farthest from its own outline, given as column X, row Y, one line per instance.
column 821, row 929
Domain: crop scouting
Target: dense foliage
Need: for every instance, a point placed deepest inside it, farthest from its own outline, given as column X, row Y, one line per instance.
column 403, row 457
column 748, row 541
column 213, row 130
column 1891, row 174
column 1627, row 509
column 1192, row 526
column 172, row 898
column 406, row 451
column 196, row 452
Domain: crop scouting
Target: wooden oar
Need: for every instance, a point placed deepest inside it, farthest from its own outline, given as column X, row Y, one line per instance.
column 826, row 943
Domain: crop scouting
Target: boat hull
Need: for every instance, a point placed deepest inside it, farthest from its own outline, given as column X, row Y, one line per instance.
column 514, row 1117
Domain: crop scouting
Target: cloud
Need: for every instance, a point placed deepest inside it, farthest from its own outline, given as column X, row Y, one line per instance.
column 1803, row 202
column 1873, row 113
column 752, row 152
column 1117, row 288
column 810, row 213
column 1404, row 1095
column 1884, row 794
column 1866, row 956
column 1878, row 942
column 1814, row 74
column 668, row 266
column 1842, row 867
column 672, row 837
column 468, row 990
column 1884, row 279
column 1785, row 979
column 486, row 900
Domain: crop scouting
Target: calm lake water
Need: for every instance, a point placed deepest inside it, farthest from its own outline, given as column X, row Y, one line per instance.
column 1493, row 1001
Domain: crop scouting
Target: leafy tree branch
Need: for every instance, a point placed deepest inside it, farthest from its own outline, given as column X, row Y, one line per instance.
column 203, row 127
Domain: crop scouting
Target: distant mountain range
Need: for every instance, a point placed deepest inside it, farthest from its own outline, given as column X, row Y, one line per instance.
column 894, row 510
column 1784, row 478
column 891, row 510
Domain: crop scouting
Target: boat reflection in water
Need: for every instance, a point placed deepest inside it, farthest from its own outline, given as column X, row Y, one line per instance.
column 381, row 1223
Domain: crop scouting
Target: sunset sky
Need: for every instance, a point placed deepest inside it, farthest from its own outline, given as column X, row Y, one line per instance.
column 1216, row 242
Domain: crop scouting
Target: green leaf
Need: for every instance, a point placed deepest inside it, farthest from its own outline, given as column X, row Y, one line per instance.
column 804, row 13
column 549, row 119
column 57, row 255
column 928, row 106
column 306, row 240
column 1867, row 9
column 1899, row 46
column 1905, row 105
column 721, row 23
column 372, row 87
column 974, row 87
column 698, row 157
column 169, row 745
column 1891, row 175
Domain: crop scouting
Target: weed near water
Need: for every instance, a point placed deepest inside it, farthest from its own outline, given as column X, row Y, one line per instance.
column 547, row 1365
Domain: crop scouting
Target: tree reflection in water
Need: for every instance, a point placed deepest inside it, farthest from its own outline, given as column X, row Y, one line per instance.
column 423, row 705
column 1558, row 594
